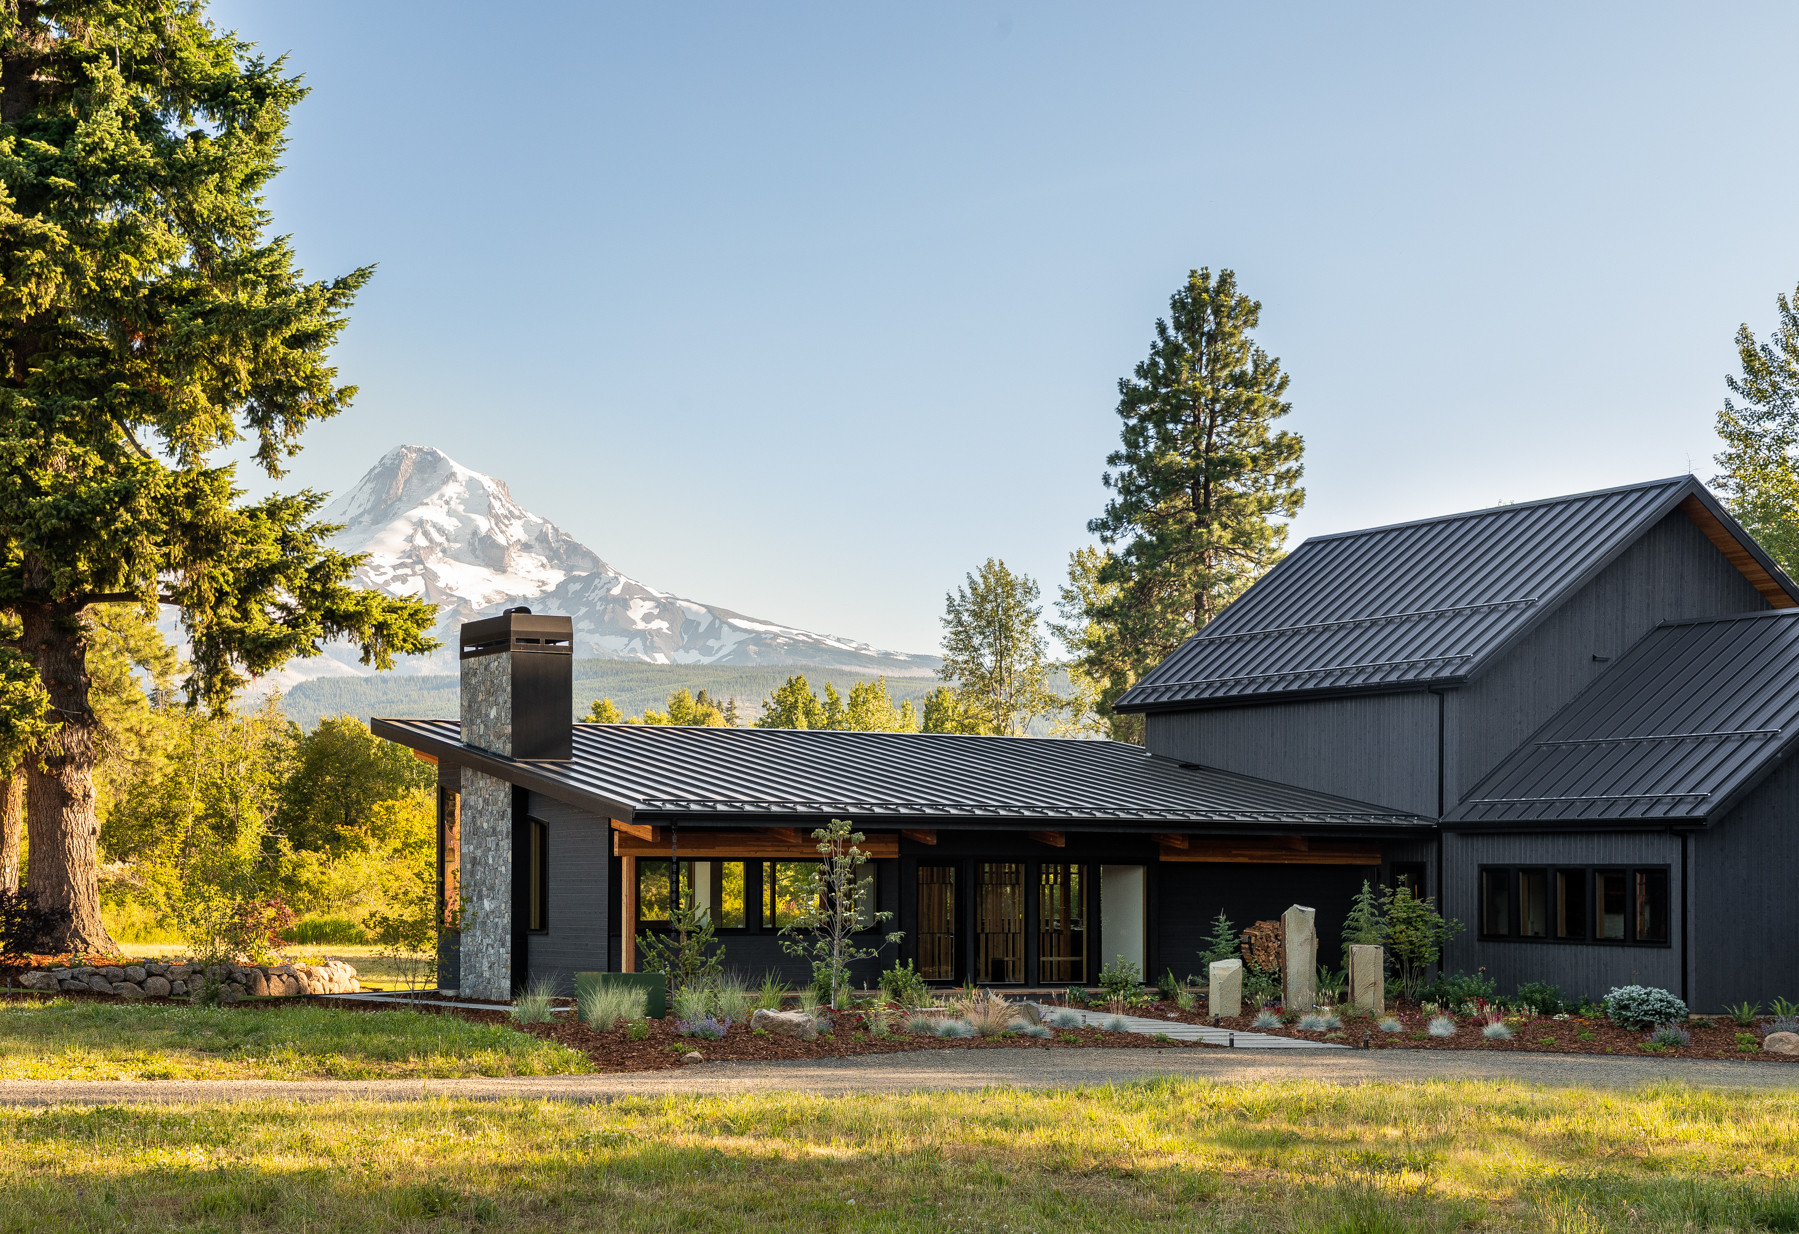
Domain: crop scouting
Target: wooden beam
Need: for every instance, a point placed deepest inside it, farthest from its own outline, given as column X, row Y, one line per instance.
column 1169, row 840
column 787, row 835
column 1054, row 839
column 735, row 845
column 641, row 831
column 627, row 916
column 1296, row 843
column 1737, row 554
column 1276, row 852
column 920, row 837
column 424, row 757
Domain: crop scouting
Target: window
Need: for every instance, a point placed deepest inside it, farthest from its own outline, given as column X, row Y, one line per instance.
column 999, row 922
column 1061, row 924
column 449, row 855
column 937, row 923
column 1616, row 906
column 784, row 885
column 539, row 876
column 714, row 889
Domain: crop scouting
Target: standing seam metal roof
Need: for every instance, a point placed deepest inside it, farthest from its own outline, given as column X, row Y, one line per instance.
column 1411, row 604
column 1677, row 729
column 770, row 773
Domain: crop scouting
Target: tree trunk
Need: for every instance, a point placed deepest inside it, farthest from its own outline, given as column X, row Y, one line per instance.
column 59, row 808
column 12, row 828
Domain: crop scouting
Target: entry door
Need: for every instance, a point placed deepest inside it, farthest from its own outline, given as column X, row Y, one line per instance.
column 1061, row 924
column 937, row 923
column 1122, row 912
column 999, row 923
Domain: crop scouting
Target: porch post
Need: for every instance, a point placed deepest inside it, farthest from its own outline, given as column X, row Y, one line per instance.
column 627, row 912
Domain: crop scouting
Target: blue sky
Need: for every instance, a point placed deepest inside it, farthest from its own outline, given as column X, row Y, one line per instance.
column 806, row 310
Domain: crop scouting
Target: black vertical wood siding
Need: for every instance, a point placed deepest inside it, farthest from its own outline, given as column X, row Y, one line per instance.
column 1191, row 893
column 1673, row 571
column 580, row 904
column 1745, row 945
column 1378, row 748
column 1591, row 969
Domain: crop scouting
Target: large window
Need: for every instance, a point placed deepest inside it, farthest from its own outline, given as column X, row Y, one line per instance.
column 1061, row 924
column 999, row 922
column 937, row 922
column 714, row 888
column 1583, row 904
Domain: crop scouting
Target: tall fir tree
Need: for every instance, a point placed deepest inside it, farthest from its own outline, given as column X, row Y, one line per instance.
column 1760, row 480
column 148, row 323
column 993, row 652
column 1199, row 481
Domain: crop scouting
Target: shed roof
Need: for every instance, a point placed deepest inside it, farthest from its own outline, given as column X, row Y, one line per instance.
column 1677, row 729
column 770, row 774
column 1428, row 602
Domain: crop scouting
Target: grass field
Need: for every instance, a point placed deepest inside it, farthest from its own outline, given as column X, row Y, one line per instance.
column 1156, row 1156
column 81, row 1040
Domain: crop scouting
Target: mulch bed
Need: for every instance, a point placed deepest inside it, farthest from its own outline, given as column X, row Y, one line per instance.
column 1712, row 1038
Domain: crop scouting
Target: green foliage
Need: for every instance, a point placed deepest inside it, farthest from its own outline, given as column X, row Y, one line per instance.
column 1087, row 710
column 1454, row 990
column 1541, row 997
column 604, row 1006
column 1744, row 1013
column 604, row 712
column 684, row 708
column 340, row 776
column 1636, row 1006
column 993, row 652
column 1169, row 987
column 687, row 954
column 1198, row 481
column 792, row 705
column 1224, row 942
column 1121, row 979
column 946, row 711
column 1416, row 932
column 1364, row 926
column 836, row 900
column 1761, row 437
column 535, row 1004
column 870, row 708
column 903, row 985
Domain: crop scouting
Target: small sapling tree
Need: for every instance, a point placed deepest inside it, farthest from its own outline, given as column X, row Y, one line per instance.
column 839, row 905
column 1415, row 934
column 1224, row 943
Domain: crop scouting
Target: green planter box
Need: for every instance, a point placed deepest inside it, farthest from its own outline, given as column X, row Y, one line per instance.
column 654, row 985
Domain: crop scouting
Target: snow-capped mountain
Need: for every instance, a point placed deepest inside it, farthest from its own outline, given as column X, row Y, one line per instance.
column 436, row 530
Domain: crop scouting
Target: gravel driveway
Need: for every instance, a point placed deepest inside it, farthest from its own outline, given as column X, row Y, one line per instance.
column 950, row 1070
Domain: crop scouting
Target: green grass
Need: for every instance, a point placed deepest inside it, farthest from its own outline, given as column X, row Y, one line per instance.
column 1162, row 1155
column 66, row 1039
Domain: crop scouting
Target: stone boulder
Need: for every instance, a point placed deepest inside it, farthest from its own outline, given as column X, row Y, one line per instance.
column 1781, row 1043
column 99, row 984
column 112, row 972
column 128, row 989
column 135, row 974
column 39, row 979
column 796, row 1024
column 1224, row 991
column 177, row 989
column 693, row 1056
column 156, row 987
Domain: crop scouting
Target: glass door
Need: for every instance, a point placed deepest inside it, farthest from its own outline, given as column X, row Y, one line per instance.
column 937, row 923
column 999, row 922
column 1061, row 924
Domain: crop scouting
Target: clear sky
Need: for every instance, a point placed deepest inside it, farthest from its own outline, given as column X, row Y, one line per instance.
column 806, row 310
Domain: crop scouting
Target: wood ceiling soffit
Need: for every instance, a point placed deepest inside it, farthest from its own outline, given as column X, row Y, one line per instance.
column 1738, row 555
column 1269, row 852
column 920, row 837
column 1055, row 839
column 731, row 845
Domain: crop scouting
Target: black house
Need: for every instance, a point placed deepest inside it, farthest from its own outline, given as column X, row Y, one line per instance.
column 1567, row 719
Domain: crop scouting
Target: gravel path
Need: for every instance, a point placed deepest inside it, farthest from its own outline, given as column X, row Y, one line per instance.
column 949, row 1070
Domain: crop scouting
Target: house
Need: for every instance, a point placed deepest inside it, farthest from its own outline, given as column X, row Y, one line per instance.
column 1566, row 719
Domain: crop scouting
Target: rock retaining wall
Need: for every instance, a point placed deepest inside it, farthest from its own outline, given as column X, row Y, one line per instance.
column 180, row 980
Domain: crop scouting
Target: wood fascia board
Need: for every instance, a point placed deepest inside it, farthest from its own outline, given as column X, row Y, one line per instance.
column 641, row 831
column 1274, row 853
column 424, row 757
column 1738, row 552
column 521, row 774
column 1055, row 839
column 919, row 836
column 758, row 844
column 1167, row 840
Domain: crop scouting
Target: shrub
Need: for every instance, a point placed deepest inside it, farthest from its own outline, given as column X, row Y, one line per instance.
column 1062, row 1017
column 1786, row 1024
column 1744, row 1014
column 1391, row 1025
column 731, row 1000
column 1117, row 1024
column 1416, row 932
column 638, row 1031
column 1541, row 997
column 1639, row 1006
column 709, row 1027
column 903, row 985
column 24, row 927
column 989, row 1014
column 1670, row 1036
column 603, row 1006
column 692, row 1002
column 772, row 991
column 1121, row 978
column 920, row 1023
column 1319, row 1022
column 1462, row 988
column 1441, row 1026
column 1268, row 1019
column 1785, row 1010
column 1496, row 1031
column 1169, row 986
column 875, row 1020
column 953, row 1028
column 1034, row 1030
column 533, row 1006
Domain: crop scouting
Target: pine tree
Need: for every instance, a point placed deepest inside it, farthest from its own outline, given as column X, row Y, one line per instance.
column 1198, row 479
column 1095, row 677
column 993, row 652
column 147, row 323
column 1760, row 480
column 1224, row 943
column 1364, row 927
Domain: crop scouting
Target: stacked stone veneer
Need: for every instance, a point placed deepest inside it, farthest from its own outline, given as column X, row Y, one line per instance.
column 179, row 980
column 486, row 875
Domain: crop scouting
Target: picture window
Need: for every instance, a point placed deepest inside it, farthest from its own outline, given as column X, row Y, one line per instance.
column 1627, row 906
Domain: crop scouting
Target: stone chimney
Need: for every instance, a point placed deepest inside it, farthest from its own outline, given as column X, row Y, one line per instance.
column 517, row 702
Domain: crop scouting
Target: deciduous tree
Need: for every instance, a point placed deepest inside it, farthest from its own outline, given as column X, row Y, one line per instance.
column 993, row 652
column 1760, row 481
column 148, row 322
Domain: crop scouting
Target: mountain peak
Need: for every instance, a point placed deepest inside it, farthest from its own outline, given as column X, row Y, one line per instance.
column 436, row 530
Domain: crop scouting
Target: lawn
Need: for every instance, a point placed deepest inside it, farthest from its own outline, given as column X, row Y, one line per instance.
column 1161, row 1155
column 98, row 1040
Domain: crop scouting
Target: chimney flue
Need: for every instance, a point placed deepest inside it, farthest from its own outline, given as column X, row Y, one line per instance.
column 518, row 685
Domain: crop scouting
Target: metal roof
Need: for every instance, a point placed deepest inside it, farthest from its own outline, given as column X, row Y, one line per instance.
column 1426, row 602
column 639, row 770
column 1677, row 729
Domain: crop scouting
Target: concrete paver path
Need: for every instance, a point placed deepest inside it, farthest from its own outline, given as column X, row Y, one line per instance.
column 1180, row 1030
column 941, row 1070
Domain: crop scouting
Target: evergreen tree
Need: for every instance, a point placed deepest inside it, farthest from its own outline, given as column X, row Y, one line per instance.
column 147, row 322
column 993, row 652
column 1224, row 942
column 1364, row 927
column 1760, row 480
column 1199, row 477
column 945, row 711
column 1094, row 678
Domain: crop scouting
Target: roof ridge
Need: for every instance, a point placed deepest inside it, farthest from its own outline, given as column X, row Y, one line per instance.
column 1486, row 511
column 1752, row 615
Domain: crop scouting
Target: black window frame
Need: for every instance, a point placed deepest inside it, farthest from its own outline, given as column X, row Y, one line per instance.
column 538, row 887
column 660, row 925
column 1513, row 876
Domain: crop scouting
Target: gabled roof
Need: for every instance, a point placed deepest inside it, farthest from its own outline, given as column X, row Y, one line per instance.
column 629, row 771
column 1429, row 602
column 1683, row 724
